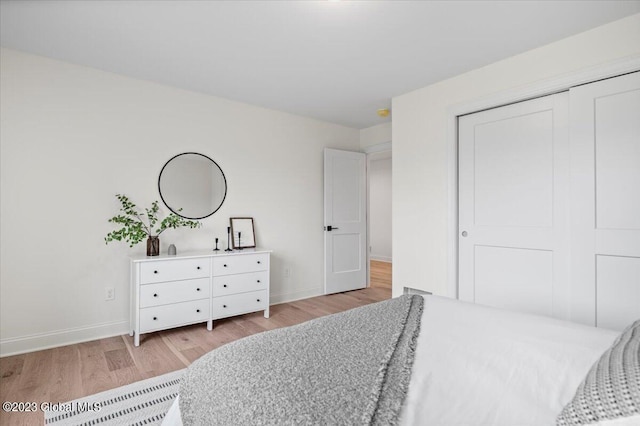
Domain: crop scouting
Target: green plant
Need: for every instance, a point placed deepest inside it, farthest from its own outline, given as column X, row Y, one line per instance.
column 136, row 229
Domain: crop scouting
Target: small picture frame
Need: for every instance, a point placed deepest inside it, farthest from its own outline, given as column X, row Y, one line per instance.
column 242, row 233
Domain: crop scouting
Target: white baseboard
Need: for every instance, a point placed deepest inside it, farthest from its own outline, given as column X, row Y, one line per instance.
column 277, row 299
column 37, row 342
column 380, row 258
column 54, row 339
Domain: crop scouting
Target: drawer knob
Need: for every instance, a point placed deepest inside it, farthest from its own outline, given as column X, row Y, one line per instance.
column 224, row 306
column 258, row 300
column 155, row 318
column 224, row 285
column 197, row 310
column 155, row 272
column 258, row 280
column 225, row 265
column 155, row 294
column 258, row 261
column 198, row 289
column 198, row 267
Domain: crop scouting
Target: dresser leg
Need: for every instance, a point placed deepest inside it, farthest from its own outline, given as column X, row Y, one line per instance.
column 266, row 313
column 210, row 325
column 131, row 333
column 136, row 339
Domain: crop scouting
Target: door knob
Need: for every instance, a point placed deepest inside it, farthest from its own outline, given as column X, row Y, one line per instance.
column 330, row 228
column 464, row 233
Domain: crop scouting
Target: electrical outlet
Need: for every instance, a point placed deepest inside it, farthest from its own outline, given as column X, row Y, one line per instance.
column 109, row 293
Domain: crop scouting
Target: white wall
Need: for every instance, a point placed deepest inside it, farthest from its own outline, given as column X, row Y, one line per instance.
column 380, row 206
column 375, row 135
column 72, row 137
column 421, row 179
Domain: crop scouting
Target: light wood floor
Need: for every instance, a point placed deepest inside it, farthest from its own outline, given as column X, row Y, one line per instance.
column 380, row 274
column 70, row 372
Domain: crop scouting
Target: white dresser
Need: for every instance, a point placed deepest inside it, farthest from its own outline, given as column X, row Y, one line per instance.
column 172, row 291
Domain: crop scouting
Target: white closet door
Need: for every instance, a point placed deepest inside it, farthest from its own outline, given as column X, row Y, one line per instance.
column 605, row 182
column 513, row 206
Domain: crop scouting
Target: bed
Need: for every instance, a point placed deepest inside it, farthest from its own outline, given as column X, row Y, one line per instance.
column 454, row 363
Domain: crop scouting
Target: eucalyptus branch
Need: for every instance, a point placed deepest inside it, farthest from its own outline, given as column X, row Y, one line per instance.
column 146, row 228
column 174, row 221
column 134, row 229
column 129, row 208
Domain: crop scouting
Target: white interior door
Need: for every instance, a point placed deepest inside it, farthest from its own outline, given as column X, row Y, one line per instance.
column 345, row 221
column 605, row 232
column 513, row 206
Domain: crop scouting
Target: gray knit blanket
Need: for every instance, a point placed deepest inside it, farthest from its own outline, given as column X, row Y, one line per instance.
column 351, row 368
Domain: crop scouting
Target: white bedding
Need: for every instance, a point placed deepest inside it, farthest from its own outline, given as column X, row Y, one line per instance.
column 476, row 365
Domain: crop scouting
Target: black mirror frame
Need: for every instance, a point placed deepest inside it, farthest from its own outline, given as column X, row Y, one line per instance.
column 226, row 187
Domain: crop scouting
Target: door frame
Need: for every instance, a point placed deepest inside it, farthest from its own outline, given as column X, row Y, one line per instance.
column 542, row 88
column 380, row 147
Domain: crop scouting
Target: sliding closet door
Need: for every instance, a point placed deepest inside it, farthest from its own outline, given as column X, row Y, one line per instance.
column 513, row 206
column 605, row 232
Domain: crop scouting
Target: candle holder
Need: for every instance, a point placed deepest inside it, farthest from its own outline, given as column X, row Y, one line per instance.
column 216, row 249
column 228, row 239
column 239, row 240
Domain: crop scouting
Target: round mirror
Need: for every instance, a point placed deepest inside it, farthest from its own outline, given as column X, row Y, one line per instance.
column 192, row 185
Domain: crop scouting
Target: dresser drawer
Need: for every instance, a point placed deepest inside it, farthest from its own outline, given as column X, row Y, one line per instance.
column 165, row 316
column 240, row 283
column 239, row 264
column 172, row 270
column 173, row 292
column 235, row 304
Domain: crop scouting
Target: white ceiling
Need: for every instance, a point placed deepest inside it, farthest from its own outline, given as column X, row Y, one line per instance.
column 335, row 61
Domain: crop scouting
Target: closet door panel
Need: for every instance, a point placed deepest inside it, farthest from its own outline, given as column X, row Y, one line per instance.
column 523, row 281
column 513, row 180
column 617, row 292
column 617, row 152
column 605, row 200
column 514, row 171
